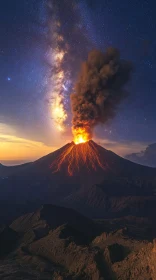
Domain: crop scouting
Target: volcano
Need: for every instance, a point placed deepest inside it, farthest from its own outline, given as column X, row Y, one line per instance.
column 86, row 177
column 91, row 159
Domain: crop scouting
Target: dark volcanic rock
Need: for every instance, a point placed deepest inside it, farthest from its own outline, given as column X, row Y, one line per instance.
column 59, row 249
column 57, row 243
column 8, row 238
column 50, row 217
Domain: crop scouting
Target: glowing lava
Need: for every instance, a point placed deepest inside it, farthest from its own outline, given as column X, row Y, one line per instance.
column 80, row 135
column 75, row 158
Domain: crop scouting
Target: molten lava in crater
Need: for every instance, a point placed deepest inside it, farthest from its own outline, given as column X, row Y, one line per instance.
column 81, row 135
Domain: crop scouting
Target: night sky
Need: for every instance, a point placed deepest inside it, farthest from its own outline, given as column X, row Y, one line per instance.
column 27, row 128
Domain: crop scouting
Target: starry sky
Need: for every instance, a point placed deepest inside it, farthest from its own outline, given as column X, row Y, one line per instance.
column 27, row 129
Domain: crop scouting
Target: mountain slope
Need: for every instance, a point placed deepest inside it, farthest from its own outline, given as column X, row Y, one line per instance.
column 85, row 177
column 51, row 217
column 6, row 171
column 90, row 158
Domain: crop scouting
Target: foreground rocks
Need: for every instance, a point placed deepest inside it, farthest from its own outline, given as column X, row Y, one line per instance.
column 43, row 247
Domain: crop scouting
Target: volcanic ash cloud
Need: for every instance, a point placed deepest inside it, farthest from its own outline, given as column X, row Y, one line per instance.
column 98, row 90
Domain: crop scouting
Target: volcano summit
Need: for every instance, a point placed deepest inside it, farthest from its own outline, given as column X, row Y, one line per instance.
column 77, row 157
column 90, row 158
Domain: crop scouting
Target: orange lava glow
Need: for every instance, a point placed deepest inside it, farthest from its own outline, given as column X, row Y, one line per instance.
column 75, row 158
column 80, row 135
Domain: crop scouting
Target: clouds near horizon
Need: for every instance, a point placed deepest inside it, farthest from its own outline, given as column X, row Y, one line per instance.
column 146, row 156
column 17, row 149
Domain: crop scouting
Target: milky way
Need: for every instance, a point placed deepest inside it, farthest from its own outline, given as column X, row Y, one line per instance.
column 67, row 37
column 24, row 100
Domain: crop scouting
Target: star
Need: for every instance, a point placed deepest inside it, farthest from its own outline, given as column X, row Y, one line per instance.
column 9, row 79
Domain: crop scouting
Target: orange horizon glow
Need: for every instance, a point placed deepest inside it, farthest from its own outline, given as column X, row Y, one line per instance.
column 19, row 149
column 16, row 148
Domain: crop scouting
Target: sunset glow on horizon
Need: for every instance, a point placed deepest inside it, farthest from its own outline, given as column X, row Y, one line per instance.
column 14, row 148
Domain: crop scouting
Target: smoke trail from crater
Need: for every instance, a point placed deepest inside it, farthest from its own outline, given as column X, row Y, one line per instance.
column 99, row 90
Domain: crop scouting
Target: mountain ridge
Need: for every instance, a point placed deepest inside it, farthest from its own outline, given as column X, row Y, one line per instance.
column 99, row 178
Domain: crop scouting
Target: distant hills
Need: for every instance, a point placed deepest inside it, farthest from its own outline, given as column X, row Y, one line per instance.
column 146, row 157
column 6, row 171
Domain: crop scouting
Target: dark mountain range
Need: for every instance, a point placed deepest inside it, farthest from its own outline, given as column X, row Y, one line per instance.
column 6, row 171
column 85, row 177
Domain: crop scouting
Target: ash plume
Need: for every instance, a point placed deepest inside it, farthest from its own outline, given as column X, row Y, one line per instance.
column 99, row 89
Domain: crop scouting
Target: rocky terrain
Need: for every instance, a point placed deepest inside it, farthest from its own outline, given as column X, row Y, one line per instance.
column 58, row 243
column 97, row 220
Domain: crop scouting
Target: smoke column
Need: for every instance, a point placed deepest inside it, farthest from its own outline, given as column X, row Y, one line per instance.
column 98, row 91
column 66, row 38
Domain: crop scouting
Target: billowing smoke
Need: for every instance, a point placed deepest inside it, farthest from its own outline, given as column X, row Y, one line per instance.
column 66, row 38
column 99, row 90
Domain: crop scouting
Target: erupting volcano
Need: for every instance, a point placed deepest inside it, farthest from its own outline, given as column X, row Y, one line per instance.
column 81, row 135
column 76, row 157
column 98, row 91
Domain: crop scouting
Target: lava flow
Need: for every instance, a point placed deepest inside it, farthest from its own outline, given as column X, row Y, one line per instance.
column 76, row 157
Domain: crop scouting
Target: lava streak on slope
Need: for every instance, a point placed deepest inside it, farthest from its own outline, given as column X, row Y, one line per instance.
column 76, row 157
